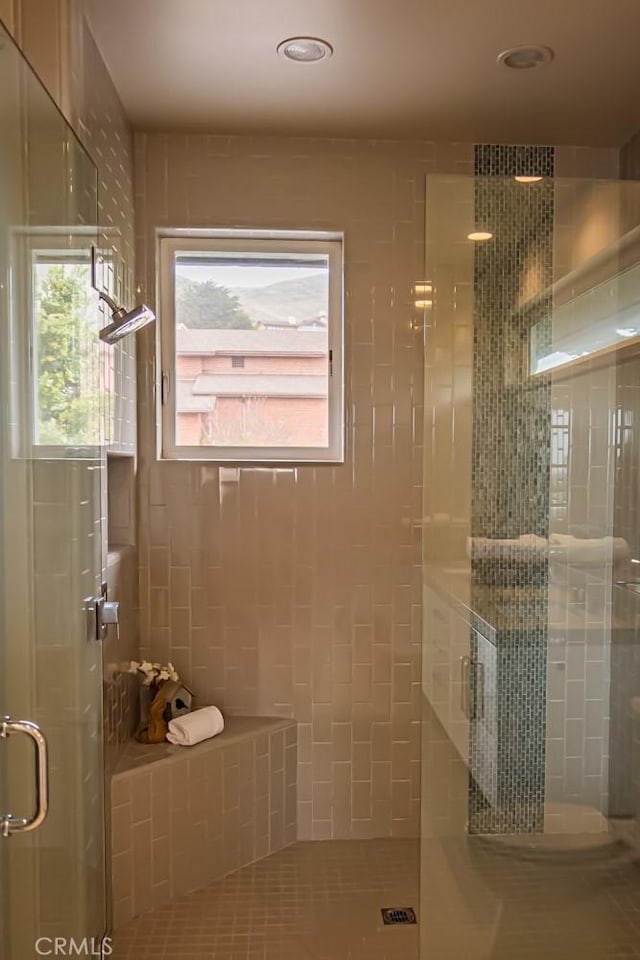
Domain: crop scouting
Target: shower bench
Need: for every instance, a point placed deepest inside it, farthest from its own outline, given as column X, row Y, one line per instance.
column 182, row 817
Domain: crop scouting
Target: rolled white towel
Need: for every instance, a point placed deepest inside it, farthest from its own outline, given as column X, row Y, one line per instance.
column 594, row 552
column 194, row 727
column 525, row 549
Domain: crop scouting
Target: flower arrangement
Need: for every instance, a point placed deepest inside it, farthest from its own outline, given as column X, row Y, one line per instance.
column 153, row 674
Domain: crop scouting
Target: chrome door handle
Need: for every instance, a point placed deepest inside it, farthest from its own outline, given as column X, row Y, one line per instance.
column 478, row 692
column 465, row 680
column 8, row 823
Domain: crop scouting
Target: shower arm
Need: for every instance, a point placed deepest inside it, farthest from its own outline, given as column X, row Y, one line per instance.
column 116, row 310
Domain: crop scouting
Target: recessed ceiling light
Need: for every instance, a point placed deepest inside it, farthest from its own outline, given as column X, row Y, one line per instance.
column 479, row 235
column 305, row 49
column 528, row 179
column 525, row 57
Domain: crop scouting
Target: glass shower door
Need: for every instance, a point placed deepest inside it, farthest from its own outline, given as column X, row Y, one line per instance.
column 52, row 857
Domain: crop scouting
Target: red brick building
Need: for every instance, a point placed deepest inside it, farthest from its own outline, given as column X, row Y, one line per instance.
column 252, row 387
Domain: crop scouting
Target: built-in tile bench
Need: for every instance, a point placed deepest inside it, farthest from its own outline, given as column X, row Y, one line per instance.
column 185, row 816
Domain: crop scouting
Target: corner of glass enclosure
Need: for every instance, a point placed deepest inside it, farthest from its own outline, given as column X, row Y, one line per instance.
column 531, row 546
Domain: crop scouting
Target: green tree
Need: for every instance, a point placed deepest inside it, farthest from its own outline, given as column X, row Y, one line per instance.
column 207, row 305
column 68, row 394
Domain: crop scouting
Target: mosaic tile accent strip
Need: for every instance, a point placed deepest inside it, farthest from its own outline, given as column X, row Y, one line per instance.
column 506, row 737
column 511, row 160
column 510, row 476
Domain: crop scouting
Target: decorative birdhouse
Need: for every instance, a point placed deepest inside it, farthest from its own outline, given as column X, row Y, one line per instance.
column 178, row 700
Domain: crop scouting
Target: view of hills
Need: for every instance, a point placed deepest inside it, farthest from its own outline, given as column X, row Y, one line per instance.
column 208, row 305
column 302, row 299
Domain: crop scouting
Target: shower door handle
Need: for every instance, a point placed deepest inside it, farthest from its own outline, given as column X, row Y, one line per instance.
column 478, row 691
column 465, row 686
column 471, row 688
column 8, row 823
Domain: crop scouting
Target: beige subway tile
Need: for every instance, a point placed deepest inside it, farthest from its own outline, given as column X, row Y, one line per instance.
column 400, row 799
column 341, row 742
column 140, row 797
column 122, row 876
column 161, row 860
column 381, row 781
column 276, row 750
column 142, row 867
column 321, row 724
column 322, row 794
column 361, row 761
column 121, row 829
column 122, row 912
column 321, row 830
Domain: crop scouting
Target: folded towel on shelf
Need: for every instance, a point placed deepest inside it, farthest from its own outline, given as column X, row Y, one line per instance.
column 593, row 552
column 194, row 727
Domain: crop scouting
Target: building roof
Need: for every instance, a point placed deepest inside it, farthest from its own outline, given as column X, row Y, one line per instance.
column 260, row 385
column 188, row 402
column 274, row 343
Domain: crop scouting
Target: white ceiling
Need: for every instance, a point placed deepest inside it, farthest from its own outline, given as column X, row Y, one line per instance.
column 423, row 69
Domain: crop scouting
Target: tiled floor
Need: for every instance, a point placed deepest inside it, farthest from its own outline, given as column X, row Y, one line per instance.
column 487, row 902
column 480, row 901
column 312, row 901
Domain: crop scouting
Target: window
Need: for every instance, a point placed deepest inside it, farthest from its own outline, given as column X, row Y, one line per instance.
column 65, row 353
column 251, row 347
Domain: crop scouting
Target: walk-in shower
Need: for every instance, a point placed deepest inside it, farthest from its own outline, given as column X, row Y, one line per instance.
column 531, row 666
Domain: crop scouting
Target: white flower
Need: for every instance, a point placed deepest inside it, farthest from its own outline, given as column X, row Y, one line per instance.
column 152, row 673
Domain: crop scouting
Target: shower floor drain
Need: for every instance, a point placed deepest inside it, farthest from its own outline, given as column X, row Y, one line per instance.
column 393, row 915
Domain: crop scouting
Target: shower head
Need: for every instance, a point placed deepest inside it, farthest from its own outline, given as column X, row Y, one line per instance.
column 124, row 322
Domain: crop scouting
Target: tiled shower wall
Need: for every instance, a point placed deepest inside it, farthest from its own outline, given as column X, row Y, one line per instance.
column 296, row 592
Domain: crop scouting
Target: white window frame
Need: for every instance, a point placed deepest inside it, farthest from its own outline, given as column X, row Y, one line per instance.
column 232, row 241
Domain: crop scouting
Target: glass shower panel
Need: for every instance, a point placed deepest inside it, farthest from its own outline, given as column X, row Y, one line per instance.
column 531, row 664
column 51, row 878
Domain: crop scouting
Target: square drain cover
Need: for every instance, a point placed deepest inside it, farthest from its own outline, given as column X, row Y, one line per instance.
column 393, row 915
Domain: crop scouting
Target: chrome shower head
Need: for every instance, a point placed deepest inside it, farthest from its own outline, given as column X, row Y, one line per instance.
column 124, row 322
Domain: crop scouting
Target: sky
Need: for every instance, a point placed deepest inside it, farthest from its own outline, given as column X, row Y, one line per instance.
column 241, row 276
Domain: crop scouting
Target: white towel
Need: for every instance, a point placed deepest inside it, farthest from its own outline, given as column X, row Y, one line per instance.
column 595, row 552
column 194, row 727
column 525, row 549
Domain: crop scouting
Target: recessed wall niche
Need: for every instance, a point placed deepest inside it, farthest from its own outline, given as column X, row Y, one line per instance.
column 121, row 501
